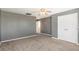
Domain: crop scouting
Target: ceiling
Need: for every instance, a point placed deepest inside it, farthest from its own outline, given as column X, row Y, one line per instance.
column 35, row 11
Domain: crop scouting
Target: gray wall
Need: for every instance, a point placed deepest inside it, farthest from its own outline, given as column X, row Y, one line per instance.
column 16, row 25
column 46, row 25
column 54, row 25
column 55, row 20
column 0, row 25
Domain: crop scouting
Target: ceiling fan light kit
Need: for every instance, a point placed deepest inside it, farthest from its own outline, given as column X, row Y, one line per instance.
column 43, row 11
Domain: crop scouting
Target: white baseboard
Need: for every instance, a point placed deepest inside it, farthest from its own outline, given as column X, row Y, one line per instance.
column 55, row 38
column 18, row 38
column 68, row 41
column 45, row 34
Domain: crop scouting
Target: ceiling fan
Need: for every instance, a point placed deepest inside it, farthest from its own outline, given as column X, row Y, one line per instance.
column 41, row 11
column 44, row 11
column 38, row 12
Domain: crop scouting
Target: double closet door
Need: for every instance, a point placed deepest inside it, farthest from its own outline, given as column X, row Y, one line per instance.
column 68, row 27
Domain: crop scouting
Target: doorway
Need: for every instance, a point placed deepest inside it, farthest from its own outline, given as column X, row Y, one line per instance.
column 38, row 26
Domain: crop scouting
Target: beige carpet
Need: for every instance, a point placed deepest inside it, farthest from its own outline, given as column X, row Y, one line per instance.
column 39, row 43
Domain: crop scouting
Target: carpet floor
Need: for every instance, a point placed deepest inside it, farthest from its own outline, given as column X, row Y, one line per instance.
column 39, row 43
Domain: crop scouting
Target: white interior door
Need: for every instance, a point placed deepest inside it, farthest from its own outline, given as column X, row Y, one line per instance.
column 38, row 27
column 67, row 27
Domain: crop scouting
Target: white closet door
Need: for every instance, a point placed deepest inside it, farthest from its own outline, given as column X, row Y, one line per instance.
column 67, row 27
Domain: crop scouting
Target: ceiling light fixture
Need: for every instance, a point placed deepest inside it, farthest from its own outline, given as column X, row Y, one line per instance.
column 43, row 11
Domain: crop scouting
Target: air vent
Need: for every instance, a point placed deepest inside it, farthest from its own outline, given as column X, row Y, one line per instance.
column 28, row 14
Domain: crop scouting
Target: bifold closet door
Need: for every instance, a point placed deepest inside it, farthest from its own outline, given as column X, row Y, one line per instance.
column 67, row 27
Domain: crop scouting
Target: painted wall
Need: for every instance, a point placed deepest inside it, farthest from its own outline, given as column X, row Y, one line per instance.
column 46, row 25
column 55, row 20
column 16, row 25
column 0, row 25
column 54, row 25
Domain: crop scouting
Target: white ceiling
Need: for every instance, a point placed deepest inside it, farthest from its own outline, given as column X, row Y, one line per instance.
column 35, row 11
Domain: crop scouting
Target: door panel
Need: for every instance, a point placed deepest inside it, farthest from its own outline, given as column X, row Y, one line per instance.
column 67, row 28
